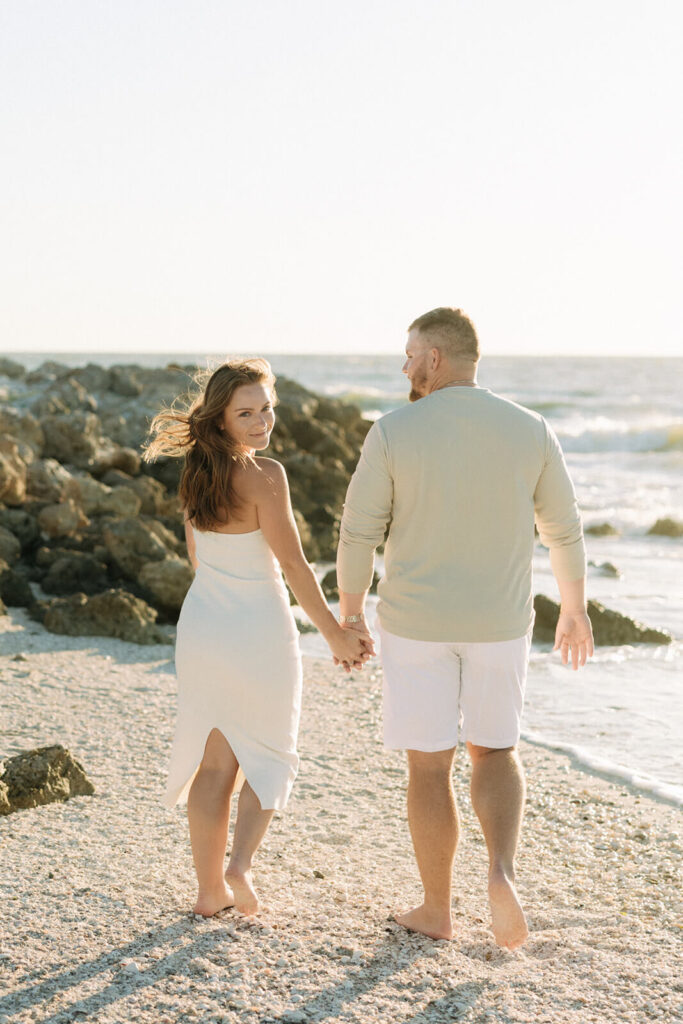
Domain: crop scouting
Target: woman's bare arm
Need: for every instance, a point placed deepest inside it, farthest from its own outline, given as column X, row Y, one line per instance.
column 191, row 548
column 269, row 488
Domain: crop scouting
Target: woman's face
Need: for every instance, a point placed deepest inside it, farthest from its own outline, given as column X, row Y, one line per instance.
column 249, row 417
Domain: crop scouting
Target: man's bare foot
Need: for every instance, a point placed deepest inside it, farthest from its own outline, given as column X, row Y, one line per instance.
column 507, row 917
column 210, row 903
column 246, row 900
column 428, row 922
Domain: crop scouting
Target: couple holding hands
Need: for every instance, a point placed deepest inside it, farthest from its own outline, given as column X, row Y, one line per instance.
column 459, row 477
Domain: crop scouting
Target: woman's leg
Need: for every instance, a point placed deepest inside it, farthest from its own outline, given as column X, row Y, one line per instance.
column 208, row 813
column 250, row 828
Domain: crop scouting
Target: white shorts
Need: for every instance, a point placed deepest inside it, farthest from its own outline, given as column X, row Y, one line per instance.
column 437, row 693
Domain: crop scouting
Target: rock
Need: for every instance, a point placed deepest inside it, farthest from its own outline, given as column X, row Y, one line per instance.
column 94, row 378
column 610, row 628
column 96, row 498
column 14, row 588
column 123, row 380
column 121, row 501
column 112, row 613
column 170, row 533
column 115, row 456
column 49, row 371
column 602, row 530
column 605, row 569
column 88, row 493
column 132, row 543
column 73, row 438
column 48, row 480
column 308, row 541
column 666, row 528
column 41, row 776
column 116, row 478
column 167, row 581
column 10, row 548
column 75, row 571
column 23, row 525
column 167, row 472
column 151, row 493
column 61, row 520
column 22, row 426
column 294, row 398
column 12, row 473
column 66, row 396
column 10, row 368
column 3, row 608
column 331, row 590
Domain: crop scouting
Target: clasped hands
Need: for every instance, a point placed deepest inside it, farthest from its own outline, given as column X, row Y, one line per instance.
column 354, row 647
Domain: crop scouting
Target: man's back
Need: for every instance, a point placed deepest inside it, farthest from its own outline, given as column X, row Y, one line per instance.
column 460, row 475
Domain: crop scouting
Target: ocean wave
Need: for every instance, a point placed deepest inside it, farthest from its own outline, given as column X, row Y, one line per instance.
column 602, row 435
column 610, row 769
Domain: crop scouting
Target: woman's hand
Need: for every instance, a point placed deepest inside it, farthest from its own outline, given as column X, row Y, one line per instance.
column 350, row 647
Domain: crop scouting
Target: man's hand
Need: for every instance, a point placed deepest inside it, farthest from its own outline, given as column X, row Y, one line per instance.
column 574, row 635
column 366, row 638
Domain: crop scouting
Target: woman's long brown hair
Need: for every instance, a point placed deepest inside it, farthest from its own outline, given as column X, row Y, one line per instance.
column 190, row 429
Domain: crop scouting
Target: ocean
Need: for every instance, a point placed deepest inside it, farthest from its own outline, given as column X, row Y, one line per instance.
column 620, row 423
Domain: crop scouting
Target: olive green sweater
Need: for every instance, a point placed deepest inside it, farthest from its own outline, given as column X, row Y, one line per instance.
column 458, row 477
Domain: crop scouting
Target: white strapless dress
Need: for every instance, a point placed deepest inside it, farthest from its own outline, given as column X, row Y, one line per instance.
column 239, row 667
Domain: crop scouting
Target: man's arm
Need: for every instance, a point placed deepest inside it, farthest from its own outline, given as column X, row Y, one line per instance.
column 560, row 529
column 367, row 512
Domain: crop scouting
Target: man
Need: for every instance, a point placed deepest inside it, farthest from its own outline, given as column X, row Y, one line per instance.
column 459, row 477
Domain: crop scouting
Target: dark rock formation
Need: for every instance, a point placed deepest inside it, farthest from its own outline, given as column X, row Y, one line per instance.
column 610, row 628
column 10, row 547
column 14, row 588
column 71, row 572
column 330, row 587
column 81, row 515
column 10, row 368
column 113, row 613
column 41, row 776
column 602, row 530
column 667, row 528
column 605, row 569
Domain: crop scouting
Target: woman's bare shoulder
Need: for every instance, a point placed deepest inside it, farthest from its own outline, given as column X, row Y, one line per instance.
column 258, row 474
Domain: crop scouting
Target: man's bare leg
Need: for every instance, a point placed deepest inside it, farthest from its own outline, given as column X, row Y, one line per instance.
column 498, row 792
column 208, row 814
column 250, row 828
column 434, row 828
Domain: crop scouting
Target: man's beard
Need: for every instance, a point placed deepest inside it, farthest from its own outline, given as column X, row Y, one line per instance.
column 417, row 382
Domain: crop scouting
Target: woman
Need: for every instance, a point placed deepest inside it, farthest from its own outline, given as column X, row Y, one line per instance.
column 237, row 654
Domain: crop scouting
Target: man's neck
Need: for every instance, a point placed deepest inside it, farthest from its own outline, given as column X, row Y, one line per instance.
column 466, row 378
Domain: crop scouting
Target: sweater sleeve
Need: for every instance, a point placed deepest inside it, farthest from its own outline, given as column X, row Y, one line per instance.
column 367, row 512
column 557, row 514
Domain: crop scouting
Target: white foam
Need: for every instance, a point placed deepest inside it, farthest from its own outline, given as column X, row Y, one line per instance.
column 603, row 766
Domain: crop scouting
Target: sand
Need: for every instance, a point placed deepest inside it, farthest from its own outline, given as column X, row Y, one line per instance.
column 96, row 892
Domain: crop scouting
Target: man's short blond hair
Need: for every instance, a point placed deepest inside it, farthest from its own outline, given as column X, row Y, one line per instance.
column 451, row 331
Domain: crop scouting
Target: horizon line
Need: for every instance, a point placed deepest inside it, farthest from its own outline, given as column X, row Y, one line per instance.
column 171, row 354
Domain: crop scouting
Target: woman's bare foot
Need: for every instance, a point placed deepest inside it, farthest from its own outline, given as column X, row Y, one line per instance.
column 210, row 903
column 246, row 900
column 507, row 917
column 436, row 925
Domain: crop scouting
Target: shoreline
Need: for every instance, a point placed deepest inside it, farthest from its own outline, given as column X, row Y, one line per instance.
column 97, row 891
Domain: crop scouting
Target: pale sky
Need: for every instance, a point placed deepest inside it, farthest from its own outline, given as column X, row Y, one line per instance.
column 301, row 176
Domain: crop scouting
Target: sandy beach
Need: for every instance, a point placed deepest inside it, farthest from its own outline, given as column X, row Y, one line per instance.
column 96, row 891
